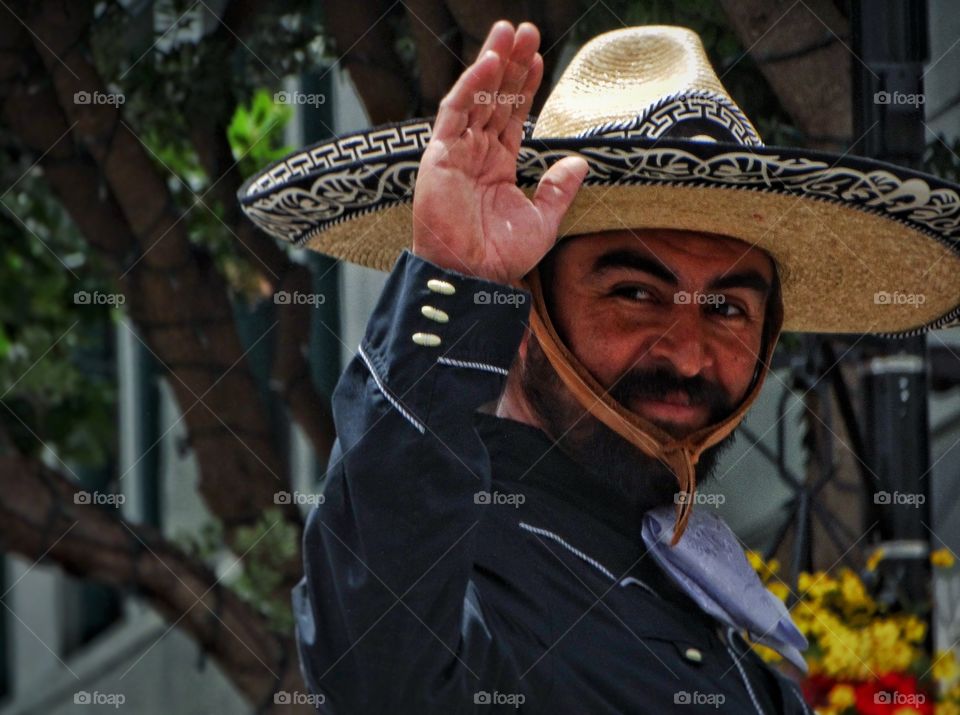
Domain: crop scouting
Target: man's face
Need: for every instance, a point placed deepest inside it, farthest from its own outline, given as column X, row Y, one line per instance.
column 670, row 323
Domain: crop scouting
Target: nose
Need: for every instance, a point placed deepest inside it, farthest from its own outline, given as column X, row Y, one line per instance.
column 684, row 344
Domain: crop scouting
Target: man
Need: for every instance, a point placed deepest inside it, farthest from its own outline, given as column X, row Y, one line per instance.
column 508, row 521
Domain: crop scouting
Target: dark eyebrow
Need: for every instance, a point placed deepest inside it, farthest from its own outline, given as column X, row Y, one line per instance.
column 743, row 279
column 633, row 260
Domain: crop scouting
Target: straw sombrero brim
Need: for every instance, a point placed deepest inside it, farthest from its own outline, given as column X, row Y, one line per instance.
column 862, row 246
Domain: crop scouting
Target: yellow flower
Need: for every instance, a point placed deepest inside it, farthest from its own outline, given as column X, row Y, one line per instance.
column 885, row 632
column 769, row 655
column 914, row 629
column 842, row 696
column 842, row 650
column 766, row 570
column 942, row 558
column 854, row 593
column 954, row 692
column 780, row 590
column 875, row 558
column 816, row 585
column 945, row 666
column 946, row 709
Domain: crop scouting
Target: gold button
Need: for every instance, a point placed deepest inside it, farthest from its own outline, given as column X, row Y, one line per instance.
column 434, row 314
column 428, row 339
column 438, row 286
column 693, row 654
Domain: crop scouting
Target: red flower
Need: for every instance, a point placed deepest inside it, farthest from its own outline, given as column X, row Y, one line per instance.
column 892, row 692
column 816, row 688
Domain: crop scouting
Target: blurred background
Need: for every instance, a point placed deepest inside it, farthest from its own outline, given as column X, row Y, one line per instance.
column 165, row 419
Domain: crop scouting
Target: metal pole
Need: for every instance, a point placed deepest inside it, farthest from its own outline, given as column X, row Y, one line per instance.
column 890, row 45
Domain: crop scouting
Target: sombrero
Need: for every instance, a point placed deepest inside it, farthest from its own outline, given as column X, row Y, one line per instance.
column 861, row 246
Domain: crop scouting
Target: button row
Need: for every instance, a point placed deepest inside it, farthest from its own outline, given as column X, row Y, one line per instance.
column 434, row 314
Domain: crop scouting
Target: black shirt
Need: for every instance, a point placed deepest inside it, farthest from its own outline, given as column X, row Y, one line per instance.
column 461, row 563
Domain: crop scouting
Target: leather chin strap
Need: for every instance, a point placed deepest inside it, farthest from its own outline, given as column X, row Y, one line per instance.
column 679, row 455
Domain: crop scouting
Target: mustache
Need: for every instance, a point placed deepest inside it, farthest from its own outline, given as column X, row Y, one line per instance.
column 658, row 383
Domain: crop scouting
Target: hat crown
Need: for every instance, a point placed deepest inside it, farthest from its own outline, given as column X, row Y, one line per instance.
column 651, row 81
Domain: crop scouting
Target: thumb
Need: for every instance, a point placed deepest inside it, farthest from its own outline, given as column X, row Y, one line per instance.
column 557, row 189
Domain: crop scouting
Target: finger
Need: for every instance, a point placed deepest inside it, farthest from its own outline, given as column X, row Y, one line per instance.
column 485, row 99
column 557, row 189
column 453, row 112
column 496, row 33
column 525, row 46
column 512, row 135
column 455, row 107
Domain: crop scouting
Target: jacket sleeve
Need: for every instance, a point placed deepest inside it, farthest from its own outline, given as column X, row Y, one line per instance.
column 388, row 619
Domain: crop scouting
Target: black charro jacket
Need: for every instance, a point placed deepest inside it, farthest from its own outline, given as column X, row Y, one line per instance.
column 460, row 563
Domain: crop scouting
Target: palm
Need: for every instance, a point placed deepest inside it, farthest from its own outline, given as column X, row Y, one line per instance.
column 469, row 214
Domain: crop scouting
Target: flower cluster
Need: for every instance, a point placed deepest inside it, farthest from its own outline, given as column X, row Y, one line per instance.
column 864, row 658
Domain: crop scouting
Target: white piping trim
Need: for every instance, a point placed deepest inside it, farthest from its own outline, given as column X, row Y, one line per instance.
column 743, row 675
column 390, row 398
column 793, row 689
column 575, row 551
column 633, row 579
column 475, row 365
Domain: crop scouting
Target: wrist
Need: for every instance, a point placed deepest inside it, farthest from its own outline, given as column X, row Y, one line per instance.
column 444, row 257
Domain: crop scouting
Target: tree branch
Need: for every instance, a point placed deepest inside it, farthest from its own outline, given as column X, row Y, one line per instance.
column 807, row 61
column 40, row 519
column 290, row 376
column 364, row 45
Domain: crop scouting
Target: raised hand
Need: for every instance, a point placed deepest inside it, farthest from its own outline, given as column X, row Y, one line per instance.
column 468, row 213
